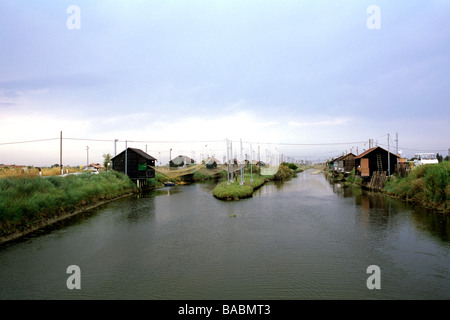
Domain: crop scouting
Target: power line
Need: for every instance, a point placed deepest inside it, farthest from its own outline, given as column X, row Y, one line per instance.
column 440, row 150
column 29, row 141
column 309, row 144
column 150, row 141
column 86, row 139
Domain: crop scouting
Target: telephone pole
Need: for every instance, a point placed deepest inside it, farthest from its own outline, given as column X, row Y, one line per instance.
column 242, row 165
column 60, row 154
column 87, row 157
column 389, row 158
column 126, row 157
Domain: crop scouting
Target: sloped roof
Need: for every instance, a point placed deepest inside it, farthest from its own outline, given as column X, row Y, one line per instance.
column 373, row 149
column 342, row 157
column 180, row 159
column 211, row 160
column 139, row 152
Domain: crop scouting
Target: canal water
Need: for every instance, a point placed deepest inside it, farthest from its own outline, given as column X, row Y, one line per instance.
column 306, row 238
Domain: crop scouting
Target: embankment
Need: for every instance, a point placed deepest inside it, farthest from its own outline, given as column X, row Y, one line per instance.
column 427, row 186
column 30, row 203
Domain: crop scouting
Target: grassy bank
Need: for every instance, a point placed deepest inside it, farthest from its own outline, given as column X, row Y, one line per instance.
column 235, row 190
column 25, row 201
column 426, row 185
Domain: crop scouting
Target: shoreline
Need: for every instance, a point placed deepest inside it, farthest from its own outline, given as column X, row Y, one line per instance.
column 50, row 221
column 425, row 203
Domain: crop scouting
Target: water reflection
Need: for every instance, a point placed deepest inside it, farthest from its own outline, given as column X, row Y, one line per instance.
column 300, row 239
column 437, row 225
column 165, row 191
column 138, row 211
column 378, row 208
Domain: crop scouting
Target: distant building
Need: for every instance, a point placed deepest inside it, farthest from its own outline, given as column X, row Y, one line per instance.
column 135, row 163
column 181, row 161
column 211, row 162
column 96, row 167
column 345, row 163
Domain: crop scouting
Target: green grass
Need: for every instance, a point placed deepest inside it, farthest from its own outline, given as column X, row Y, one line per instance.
column 235, row 190
column 426, row 184
column 157, row 181
column 27, row 200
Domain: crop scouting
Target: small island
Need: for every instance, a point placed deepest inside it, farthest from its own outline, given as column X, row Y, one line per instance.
column 235, row 190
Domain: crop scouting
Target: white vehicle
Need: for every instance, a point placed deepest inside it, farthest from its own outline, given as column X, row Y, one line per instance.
column 425, row 158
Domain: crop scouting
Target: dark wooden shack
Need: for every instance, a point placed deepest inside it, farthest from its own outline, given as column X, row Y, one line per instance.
column 375, row 160
column 135, row 163
column 345, row 163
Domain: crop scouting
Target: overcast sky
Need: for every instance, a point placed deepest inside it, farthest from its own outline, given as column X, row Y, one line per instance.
column 317, row 77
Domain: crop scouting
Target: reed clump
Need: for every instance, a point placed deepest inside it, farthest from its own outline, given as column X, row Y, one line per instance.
column 235, row 190
column 427, row 185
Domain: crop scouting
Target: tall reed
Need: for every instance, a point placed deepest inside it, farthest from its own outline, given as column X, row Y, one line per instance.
column 27, row 200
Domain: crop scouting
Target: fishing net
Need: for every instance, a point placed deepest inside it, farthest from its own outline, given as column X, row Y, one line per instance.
column 175, row 172
column 269, row 170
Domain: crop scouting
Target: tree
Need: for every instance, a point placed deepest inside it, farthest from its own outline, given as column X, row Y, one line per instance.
column 439, row 157
column 106, row 161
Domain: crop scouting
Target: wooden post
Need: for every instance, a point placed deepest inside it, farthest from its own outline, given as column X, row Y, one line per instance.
column 126, row 157
column 60, row 155
column 389, row 159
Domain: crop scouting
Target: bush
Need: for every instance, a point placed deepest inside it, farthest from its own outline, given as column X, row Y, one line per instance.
column 426, row 183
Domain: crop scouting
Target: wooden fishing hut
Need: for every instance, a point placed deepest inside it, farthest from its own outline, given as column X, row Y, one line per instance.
column 136, row 164
column 375, row 160
column 344, row 163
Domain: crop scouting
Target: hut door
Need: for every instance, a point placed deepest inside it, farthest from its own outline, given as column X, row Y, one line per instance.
column 365, row 172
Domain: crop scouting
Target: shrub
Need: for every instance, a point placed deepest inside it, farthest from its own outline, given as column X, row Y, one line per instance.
column 426, row 183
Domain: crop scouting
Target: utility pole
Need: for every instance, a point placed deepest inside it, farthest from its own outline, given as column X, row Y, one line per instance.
column 396, row 145
column 228, row 161
column 87, row 157
column 60, row 154
column 259, row 156
column 115, row 147
column 232, row 161
column 251, row 163
column 389, row 158
column 242, row 165
column 126, row 157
